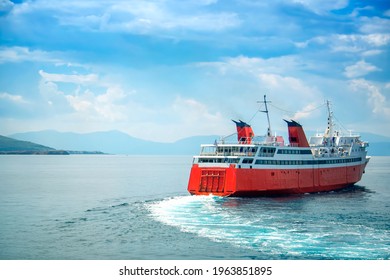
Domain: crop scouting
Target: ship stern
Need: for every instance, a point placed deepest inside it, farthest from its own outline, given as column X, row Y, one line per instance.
column 220, row 181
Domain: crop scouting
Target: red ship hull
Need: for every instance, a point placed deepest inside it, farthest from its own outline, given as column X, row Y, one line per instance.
column 233, row 181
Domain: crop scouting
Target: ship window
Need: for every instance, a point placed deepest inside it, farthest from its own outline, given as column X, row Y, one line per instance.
column 208, row 150
column 253, row 150
column 247, row 160
column 267, row 152
column 210, row 160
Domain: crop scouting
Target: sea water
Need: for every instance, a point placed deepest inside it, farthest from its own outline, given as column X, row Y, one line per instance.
column 137, row 207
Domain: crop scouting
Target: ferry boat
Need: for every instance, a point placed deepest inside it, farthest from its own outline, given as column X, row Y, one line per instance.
column 264, row 166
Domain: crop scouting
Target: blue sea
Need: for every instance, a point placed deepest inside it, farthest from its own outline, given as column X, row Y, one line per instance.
column 137, row 207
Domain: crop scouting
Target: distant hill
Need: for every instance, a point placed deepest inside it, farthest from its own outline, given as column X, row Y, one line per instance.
column 116, row 142
column 13, row 146
column 10, row 146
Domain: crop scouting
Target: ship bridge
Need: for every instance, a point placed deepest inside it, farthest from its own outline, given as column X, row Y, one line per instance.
column 228, row 150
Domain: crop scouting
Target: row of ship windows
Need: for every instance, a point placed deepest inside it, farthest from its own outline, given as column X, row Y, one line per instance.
column 219, row 160
column 271, row 151
column 278, row 162
column 306, row 162
column 299, row 152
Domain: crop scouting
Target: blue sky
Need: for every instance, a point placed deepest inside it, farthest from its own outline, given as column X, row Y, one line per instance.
column 168, row 69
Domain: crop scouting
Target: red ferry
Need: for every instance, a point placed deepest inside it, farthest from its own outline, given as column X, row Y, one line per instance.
column 265, row 166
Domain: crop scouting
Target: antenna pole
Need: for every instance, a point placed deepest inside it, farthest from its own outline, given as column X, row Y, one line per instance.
column 269, row 132
column 329, row 130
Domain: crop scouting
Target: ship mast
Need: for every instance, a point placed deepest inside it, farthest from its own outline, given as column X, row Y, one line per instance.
column 329, row 130
column 269, row 132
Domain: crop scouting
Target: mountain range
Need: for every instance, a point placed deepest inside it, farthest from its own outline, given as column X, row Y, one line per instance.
column 116, row 142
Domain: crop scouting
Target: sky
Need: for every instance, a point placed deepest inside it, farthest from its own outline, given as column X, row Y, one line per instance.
column 164, row 70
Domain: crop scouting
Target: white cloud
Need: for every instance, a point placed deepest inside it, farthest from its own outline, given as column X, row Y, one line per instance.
column 275, row 81
column 319, row 6
column 371, row 53
column 191, row 110
column 377, row 39
column 81, row 103
column 69, row 78
column 256, row 65
column 378, row 102
column 372, row 25
column 53, row 97
column 20, row 54
column 350, row 43
column 13, row 98
column 87, row 104
column 290, row 87
column 306, row 112
column 139, row 17
column 271, row 76
column 155, row 17
column 107, row 106
column 192, row 117
column 360, row 68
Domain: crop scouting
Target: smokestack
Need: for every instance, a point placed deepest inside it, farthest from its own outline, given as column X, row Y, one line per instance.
column 296, row 135
column 244, row 132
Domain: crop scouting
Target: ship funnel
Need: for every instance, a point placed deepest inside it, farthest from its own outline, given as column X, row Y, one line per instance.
column 296, row 135
column 244, row 132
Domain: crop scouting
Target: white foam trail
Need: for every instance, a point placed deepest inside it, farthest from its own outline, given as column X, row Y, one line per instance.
column 268, row 232
column 205, row 216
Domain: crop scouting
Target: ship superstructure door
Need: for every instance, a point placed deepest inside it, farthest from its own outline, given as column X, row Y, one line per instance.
column 212, row 180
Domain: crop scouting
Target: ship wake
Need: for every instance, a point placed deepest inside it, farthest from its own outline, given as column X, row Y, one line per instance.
column 271, row 228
